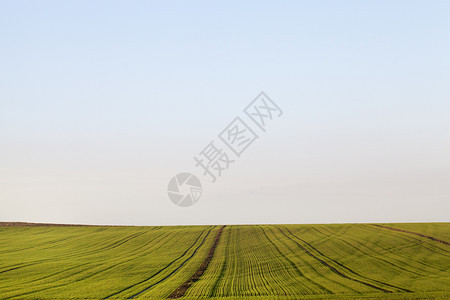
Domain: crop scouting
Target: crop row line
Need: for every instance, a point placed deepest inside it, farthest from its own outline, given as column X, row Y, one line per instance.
column 335, row 270
column 181, row 290
column 415, row 233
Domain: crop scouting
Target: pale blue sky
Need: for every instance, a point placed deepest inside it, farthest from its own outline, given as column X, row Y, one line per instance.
column 102, row 102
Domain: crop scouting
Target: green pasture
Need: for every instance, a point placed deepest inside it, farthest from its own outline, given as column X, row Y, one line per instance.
column 349, row 261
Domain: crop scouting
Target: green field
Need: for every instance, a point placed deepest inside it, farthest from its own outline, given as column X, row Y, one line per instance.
column 350, row 261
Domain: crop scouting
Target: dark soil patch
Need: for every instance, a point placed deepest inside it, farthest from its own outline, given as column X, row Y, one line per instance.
column 182, row 289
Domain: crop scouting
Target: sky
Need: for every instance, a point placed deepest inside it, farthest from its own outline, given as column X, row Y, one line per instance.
column 103, row 102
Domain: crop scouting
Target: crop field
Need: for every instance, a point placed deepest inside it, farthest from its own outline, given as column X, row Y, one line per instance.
column 348, row 261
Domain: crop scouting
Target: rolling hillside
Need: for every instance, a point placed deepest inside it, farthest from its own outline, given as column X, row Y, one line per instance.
column 353, row 261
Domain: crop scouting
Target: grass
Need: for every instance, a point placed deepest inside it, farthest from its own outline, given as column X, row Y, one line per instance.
column 352, row 261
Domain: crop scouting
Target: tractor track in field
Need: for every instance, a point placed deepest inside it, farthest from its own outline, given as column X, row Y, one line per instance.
column 293, row 265
column 16, row 267
column 73, row 255
column 81, row 271
column 314, row 268
column 182, row 289
column 158, row 272
column 222, row 270
column 414, row 241
column 412, row 232
column 336, row 271
column 359, row 247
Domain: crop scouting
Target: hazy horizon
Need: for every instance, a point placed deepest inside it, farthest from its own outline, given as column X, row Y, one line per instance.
column 101, row 104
